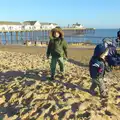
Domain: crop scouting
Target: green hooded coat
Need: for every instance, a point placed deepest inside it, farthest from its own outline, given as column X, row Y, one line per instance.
column 57, row 47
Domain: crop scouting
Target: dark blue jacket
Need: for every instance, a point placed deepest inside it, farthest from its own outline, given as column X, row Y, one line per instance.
column 97, row 65
column 96, row 68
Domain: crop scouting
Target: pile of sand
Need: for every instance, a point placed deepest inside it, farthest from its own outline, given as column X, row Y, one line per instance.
column 27, row 94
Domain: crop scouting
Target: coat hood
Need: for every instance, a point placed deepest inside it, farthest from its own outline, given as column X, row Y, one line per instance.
column 99, row 50
column 107, row 42
column 57, row 29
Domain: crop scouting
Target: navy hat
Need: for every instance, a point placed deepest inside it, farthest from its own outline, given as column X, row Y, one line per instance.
column 99, row 50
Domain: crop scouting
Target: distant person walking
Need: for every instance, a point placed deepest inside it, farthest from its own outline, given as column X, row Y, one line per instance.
column 97, row 68
column 57, row 48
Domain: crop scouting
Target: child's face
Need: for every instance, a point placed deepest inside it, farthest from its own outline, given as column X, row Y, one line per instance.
column 57, row 34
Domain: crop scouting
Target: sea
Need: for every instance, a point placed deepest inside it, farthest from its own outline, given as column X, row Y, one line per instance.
column 93, row 37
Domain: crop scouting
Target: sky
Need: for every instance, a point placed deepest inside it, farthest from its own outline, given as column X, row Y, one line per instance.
column 89, row 13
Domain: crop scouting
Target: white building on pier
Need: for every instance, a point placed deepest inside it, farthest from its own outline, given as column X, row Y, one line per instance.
column 77, row 25
column 31, row 25
column 48, row 25
column 36, row 25
column 8, row 26
column 26, row 25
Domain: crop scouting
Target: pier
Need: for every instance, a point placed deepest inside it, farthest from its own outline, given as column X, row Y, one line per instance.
column 22, row 36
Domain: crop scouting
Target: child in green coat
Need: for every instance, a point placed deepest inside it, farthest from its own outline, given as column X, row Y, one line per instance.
column 57, row 48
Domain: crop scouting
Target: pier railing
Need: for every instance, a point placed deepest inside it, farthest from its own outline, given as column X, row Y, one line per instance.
column 21, row 39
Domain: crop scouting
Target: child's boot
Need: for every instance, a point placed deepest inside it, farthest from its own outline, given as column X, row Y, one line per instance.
column 103, row 94
column 92, row 88
column 92, row 92
column 62, row 75
column 52, row 77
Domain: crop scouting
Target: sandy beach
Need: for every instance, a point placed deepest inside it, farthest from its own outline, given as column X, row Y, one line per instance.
column 27, row 94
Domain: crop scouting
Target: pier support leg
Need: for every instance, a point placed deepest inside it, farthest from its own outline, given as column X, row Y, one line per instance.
column 43, row 35
column 30, row 35
column 17, row 37
column 11, row 37
column 5, row 38
column 0, row 39
column 33, row 35
column 26, row 39
column 21, row 37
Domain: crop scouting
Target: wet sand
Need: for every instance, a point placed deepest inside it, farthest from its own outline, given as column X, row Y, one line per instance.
column 74, row 52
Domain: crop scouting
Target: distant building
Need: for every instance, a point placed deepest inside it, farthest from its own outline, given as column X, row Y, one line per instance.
column 77, row 26
column 48, row 25
column 52, row 25
column 7, row 26
column 36, row 25
column 31, row 25
column 26, row 25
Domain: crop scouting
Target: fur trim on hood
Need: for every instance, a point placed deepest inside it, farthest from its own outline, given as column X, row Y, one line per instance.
column 56, row 30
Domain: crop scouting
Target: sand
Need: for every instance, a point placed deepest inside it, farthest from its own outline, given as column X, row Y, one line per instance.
column 27, row 94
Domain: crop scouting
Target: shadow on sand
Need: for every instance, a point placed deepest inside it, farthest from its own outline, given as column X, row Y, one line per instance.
column 11, row 110
column 78, row 63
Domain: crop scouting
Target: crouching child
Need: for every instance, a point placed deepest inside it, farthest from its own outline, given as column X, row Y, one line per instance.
column 97, row 68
